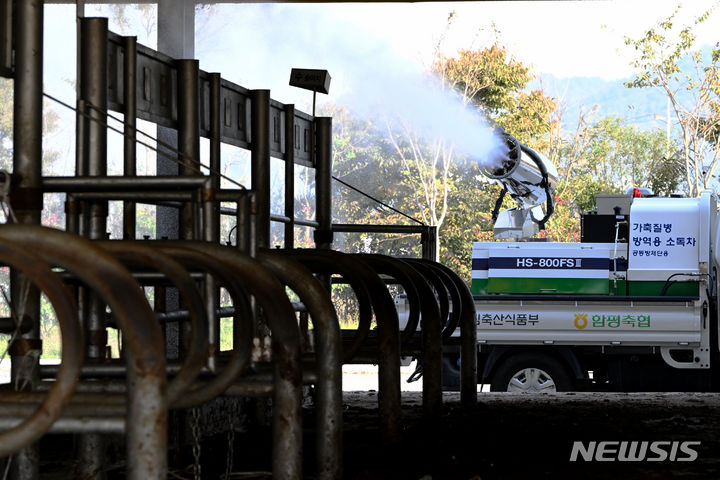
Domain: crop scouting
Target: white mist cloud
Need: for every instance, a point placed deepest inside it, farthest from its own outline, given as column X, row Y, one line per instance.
column 368, row 75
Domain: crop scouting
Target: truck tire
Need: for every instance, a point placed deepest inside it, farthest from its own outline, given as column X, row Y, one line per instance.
column 450, row 373
column 532, row 373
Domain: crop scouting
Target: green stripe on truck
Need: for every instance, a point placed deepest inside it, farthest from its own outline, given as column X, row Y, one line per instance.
column 577, row 286
column 482, row 286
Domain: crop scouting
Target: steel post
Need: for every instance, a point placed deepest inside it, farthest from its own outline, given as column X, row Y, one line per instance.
column 211, row 205
column 6, row 38
column 215, row 130
column 175, row 35
column 93, row 91
column 130, row 116
column 26, row 195
column 429, row 243
column 188, row 133
column 290, row 176
column 242, row 222
column 323, row 179
column 260, row 159
column 72, row 214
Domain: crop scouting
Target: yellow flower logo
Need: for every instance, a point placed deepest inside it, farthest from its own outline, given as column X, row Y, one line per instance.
column 581, row 320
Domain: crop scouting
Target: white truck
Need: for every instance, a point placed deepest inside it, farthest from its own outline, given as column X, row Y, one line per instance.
column 632, row 307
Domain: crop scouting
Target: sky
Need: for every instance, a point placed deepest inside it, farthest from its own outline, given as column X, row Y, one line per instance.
column 563, row 38
column 566, row 38
column 378, row 53
column 255, row 45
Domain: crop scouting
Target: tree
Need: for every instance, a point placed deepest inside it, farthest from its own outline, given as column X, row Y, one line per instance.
column 666, row 61
column 490, row 82
column 494, row 83
column 609, row 155
column 488, row 78
column 364, row 158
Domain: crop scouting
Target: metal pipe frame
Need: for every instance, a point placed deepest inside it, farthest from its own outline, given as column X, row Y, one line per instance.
column 388, row 358
column 323, row 178
column 80, row 424
column 431, row 321
column 6, row 37
column 428, row 234
column 168, row 198
column 188, row 135
column 179, row 262
column 197, row 259
column 347, row 267
column 468, row 338
column 114, row 184
column 368, row 228
column 9, row 326
column 93, row 91
column 39, row 272
column 260, row 163
column 287, row 374
column 442, row 282
column 26, row 195
column 130, row 130
column 138, row 255
column 147, row 402
column 328, row 366
column 440, row 288
column 289, row 146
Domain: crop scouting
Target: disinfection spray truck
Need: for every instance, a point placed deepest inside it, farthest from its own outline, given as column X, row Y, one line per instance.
column 632, row 307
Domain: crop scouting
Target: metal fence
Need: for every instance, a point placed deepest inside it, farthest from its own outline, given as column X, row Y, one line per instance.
column 94, row 283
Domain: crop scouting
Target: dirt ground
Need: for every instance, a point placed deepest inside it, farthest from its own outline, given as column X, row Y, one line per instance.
column 506, row 436
column 531, row 436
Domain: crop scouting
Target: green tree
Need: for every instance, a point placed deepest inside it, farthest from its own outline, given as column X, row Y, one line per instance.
column 610, row 155
column 490, row 81
column 493, row 82
column 667, row 60
column 425, row 177
column 363, row 157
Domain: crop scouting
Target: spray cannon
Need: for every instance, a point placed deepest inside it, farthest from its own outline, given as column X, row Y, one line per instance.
column 530, row 179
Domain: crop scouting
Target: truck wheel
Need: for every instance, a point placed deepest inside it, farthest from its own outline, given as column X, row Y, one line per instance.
column 450, row 373
column 532, row 373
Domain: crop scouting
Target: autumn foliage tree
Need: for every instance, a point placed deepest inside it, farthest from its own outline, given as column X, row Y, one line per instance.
column 428, row 179
column 666, row 59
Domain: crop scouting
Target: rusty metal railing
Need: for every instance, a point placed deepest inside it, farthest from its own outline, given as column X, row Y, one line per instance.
column 133, row 394
column 146, row 381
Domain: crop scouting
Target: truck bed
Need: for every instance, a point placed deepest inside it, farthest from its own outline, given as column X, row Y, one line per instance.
column 589, row 320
